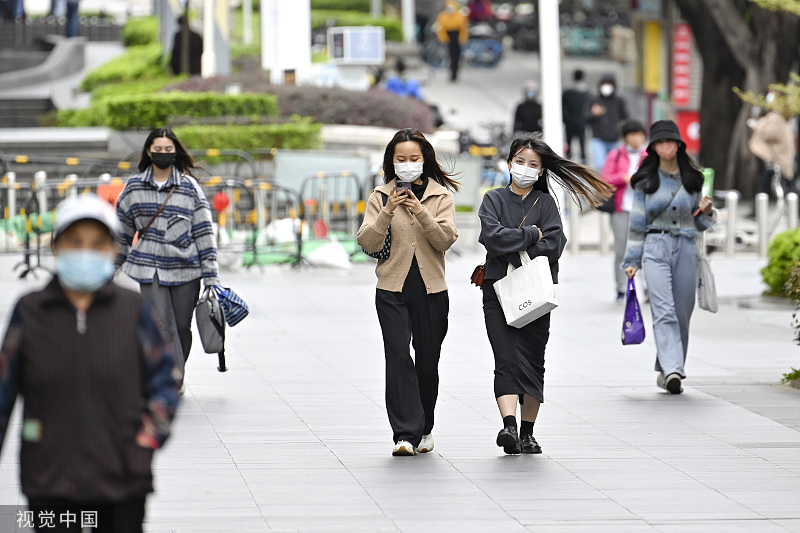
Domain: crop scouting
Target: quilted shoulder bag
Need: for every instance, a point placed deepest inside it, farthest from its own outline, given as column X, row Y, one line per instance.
column 383, row 253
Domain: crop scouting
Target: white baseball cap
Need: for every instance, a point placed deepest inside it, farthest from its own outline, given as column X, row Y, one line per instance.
column 85, row 206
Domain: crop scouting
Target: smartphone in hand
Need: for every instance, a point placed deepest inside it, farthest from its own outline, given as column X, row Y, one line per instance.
column 403, row 186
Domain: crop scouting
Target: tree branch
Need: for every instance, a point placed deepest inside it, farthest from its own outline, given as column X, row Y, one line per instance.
column 788, row 6
column 735, row 32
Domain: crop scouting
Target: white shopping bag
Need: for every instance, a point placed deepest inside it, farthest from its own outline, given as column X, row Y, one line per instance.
column 706, row 288
column 526, row 293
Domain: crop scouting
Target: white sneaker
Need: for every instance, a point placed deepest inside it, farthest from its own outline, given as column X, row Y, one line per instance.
column 426, row 444
column 403, row 447
column 661, row 380
column 673, row 383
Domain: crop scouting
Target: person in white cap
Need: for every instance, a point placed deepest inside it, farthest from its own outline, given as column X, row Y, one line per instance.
column 97, row 378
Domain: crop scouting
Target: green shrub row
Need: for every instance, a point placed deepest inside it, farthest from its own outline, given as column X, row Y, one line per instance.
column 783, row 255
column 143, row 111
column 301, row 134
column 363, row 6
column 393, row 27
column 137, row 63
column 147, row 86
column 140, row 30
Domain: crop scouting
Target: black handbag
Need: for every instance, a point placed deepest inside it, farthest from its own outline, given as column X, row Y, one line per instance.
column 609, row 205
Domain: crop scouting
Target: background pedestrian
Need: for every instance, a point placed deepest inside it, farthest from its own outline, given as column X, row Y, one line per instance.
column 96, row 375
column 452, row 29
column 573, row 103
column 524, row 217
column 528, row 115
column 605, row 113
column 411, row 298
column 176, row 249
column 621, row 164
column 668, row 213
column 773, row 143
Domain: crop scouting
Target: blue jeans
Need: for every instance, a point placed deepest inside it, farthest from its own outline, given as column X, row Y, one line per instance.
column 670, row 268
column 599, row 150
column 72, row 19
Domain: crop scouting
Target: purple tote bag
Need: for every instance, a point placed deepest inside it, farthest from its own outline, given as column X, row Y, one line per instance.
column 633, row 325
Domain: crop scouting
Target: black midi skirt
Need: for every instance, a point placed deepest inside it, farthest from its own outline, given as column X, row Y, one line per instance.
column 518, row 352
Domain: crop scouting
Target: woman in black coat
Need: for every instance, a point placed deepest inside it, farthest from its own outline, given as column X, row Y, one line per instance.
column 524, row 217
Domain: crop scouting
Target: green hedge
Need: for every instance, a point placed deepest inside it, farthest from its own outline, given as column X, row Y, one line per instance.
column 143, row 111
column 147, row 86
column 137, row 63
column 302, row 134
column 783, row 254
column 393, row 27
column 139, row 31
column 363, row 6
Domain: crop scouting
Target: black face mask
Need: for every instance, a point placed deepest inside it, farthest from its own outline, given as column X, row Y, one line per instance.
column 163, row 159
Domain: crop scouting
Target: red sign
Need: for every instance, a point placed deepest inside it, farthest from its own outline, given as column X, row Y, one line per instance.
column 220, row 201
column 689, row 125
column 681, row 65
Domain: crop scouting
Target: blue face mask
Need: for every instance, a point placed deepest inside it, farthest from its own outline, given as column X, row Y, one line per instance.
column 83, row 270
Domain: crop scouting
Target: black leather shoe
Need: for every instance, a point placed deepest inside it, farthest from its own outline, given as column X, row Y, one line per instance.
column 529, row 445
column 509, row 441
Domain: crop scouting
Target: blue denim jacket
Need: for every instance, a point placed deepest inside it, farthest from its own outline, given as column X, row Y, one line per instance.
column 659, row 211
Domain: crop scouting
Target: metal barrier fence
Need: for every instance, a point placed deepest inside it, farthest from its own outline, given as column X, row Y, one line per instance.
column 65, row 166
column 334, row 202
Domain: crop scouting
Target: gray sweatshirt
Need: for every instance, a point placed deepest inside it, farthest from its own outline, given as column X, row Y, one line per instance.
column 501, row 212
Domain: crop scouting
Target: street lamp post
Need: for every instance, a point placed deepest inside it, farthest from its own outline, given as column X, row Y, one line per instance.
column 550, row 57
column 408, row 15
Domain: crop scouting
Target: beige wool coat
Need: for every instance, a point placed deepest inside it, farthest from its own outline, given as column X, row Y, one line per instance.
column 426, row 235
column 773, row 141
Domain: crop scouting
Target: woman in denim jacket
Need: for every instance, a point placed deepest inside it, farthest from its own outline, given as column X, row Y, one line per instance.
column 667, row 215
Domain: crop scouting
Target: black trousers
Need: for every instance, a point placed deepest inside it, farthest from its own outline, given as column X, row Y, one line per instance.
column 454, row 47
column 412, row 385
column 580, row 133
column 175, row 305
column 120, row 517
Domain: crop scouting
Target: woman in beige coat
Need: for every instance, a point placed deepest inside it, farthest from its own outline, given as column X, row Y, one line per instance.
column 773, row 143
column 411, row 298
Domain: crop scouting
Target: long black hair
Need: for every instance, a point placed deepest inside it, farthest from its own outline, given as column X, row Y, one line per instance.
column 691, row 176
column 183, row 161
column 581, row 181
column 430, row 168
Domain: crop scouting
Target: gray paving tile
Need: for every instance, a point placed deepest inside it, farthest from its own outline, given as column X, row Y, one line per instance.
column 295, row 437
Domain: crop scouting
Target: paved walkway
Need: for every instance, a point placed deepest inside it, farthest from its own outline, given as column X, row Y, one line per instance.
column 295, row 437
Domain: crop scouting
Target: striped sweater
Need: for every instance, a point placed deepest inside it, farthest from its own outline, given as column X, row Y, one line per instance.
column 179, row 246
column 658, row 211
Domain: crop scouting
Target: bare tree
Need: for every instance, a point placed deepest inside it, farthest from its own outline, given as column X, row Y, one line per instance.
column 746, row 46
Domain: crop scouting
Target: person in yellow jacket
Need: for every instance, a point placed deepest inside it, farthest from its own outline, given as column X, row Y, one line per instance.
column 452, row 29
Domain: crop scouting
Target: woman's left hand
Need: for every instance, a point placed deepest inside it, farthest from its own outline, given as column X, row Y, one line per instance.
column 706, row 205
column 412, row 204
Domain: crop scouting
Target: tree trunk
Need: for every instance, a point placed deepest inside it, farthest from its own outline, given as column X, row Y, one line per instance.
column 768, row 53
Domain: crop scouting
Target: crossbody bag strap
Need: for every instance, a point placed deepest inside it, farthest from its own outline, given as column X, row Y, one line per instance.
column 160, row 210
column 680, row 184
column 529, row 211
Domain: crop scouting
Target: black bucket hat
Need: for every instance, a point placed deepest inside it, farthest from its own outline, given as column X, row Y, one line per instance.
column 665, row 130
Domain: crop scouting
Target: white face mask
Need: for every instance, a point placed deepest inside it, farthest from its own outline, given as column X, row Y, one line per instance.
column 408, row 171
column 606, row 89
column 523, row 176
